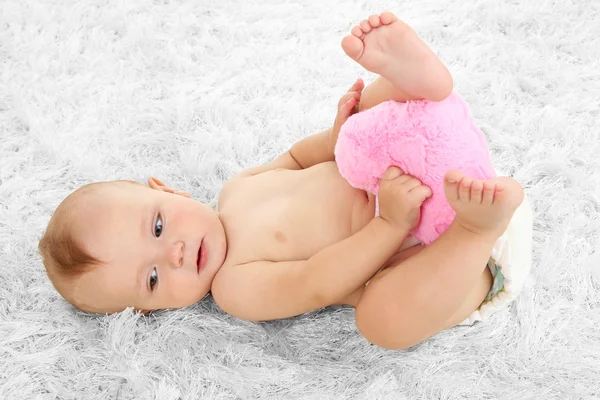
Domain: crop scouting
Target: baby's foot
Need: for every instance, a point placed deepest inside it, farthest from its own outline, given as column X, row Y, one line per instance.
column 387, row 46
column 482, row 207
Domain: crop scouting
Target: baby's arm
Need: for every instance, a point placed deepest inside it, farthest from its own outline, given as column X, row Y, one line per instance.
column 265, row 290
column 343, row 268
column 317, row 148
column 307, row 152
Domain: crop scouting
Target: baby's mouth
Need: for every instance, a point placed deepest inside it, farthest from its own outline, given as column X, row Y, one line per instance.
column 201, row 257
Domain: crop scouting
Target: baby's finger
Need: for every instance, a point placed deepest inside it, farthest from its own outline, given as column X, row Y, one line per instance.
column 350, row 95
column 182, row 193
column 349, row 105
column 358, row 86
column 345, row 111
column 344, row 99
column 356, row 95
column 347, row 95
column 411, row 183
column 423, row 192
column 157, row 181
column 392, row 173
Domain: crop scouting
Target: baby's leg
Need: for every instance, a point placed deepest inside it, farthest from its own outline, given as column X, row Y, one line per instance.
column 408, row 69
column 434, row 289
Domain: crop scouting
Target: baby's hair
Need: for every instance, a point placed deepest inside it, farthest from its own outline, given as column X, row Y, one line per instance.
column 63, row 255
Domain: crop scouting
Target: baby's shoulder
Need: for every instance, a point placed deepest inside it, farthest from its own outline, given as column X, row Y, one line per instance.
column 231, row 186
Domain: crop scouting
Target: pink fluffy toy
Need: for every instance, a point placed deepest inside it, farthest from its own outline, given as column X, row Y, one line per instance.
column 423, row 138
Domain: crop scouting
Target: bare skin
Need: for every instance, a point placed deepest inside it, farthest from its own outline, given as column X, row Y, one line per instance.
column 387, row 46
column 271, row 214
column 299, row 237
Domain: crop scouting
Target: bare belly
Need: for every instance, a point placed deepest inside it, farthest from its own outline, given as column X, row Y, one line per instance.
column 285, row 215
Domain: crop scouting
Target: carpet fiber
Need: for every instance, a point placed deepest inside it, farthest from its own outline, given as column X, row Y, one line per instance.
column 194, row 91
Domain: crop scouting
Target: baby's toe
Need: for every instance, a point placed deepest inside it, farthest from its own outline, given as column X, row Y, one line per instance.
column 365, row 26
column 353, row 46
column 375, row 21
column 464, row 191
column 387, row 18
column 356, row 31
column 451, row 182
column 488, row 193
column 477, row 191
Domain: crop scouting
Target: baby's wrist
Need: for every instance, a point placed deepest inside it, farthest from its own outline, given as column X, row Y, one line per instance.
column 389, row 228
column 331, row 141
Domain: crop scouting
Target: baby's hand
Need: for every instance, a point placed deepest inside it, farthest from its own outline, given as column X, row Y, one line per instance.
column 347, row 106
column 400, row 199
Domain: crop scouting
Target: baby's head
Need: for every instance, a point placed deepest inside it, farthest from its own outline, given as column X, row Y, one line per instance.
column 113, row 245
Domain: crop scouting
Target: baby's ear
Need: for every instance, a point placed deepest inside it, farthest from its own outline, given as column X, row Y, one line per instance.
column 156, row 184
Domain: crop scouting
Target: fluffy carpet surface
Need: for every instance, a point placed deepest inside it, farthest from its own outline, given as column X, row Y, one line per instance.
column 194, row 91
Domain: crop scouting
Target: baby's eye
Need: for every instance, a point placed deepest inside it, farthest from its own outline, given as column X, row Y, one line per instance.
column 158, row 226
column 153, row 279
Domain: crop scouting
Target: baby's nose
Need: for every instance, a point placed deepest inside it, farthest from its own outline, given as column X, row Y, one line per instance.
column 175, row 256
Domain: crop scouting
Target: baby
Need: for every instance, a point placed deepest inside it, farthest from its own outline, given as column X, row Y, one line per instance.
column 293, row 236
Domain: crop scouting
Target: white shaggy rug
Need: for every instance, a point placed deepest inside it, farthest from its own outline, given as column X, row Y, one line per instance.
column 194, row 91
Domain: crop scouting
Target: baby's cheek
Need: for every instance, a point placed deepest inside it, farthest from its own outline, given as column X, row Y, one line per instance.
column 187, row 291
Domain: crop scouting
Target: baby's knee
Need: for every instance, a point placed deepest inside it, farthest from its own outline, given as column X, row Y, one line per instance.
column 372, row 96
column 384, row 326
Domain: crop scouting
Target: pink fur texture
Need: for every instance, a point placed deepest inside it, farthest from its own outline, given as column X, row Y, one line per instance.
column 425, row 139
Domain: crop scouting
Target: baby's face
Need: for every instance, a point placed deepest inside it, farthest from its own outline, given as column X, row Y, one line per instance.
column 158, row 250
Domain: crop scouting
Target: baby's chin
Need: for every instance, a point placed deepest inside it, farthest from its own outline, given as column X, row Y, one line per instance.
column 216, row 249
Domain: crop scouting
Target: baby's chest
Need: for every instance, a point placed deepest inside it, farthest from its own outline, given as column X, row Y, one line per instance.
column 290, row 220
column 285, row 228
